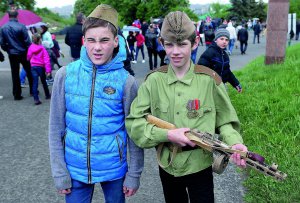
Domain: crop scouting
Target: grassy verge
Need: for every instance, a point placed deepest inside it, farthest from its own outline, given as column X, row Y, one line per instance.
column 269, row 112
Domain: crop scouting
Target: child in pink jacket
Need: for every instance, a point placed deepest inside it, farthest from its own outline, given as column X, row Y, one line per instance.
column 40, row 62
column 140, row 40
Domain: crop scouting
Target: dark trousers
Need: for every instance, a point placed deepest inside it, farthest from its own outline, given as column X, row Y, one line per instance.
column 150, row 53
column 197, row 187
column 36, row 73
column 162, row 55
column 256, row 35
column 131, row 48
column 15, row 61
column 243, row 47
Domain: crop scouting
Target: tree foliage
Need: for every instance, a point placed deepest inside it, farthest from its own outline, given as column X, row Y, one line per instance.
column 23, row 4
column 295, row 7
column 218, row 10
column 129, row 10
column 247, row 9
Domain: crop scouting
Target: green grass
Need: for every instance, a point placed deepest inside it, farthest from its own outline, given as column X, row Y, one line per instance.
column 269, row 111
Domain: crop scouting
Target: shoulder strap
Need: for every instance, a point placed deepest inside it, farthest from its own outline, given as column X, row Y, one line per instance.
column 163, row 69
column 199, row 69
column 173, row 155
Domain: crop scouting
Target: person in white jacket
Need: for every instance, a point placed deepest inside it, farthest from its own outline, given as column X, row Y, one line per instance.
column 233, row 37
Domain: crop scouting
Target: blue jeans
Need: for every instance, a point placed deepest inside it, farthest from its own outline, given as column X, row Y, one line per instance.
column 231, row 45
column 194, row 55
column 37, row 72
column 22, row 76
column 137, row 52
column 83, row 193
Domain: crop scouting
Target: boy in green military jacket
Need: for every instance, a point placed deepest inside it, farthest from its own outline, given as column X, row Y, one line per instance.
column 190, row 97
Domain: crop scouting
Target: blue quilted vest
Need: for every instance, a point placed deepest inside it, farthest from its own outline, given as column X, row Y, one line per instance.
column 96, row 139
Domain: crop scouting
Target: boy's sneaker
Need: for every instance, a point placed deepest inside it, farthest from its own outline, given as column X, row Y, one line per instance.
column 37, row 102
column 133, row 61
column 143, row 61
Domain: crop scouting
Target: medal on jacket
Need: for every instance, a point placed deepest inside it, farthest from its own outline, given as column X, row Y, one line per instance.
column 192, row 107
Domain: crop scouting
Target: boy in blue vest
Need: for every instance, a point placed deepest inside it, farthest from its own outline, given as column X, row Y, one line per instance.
column 90, row 99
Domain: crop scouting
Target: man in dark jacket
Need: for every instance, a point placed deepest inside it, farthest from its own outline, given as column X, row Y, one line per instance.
column 15, row 41
column 144, row 28
column 216, row 58
column 209, row 36
column 257, row 31
column 242, row 36
column 150, row 38
column 74, row 37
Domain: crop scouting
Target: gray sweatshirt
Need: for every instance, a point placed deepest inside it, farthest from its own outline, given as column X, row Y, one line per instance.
column 62, row 179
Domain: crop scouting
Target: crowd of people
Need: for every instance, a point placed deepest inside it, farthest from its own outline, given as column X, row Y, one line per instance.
column 216, row 57
column 35, row 49
column 148, row 36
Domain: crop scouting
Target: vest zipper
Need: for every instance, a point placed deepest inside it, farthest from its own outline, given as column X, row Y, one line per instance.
column 90, row 127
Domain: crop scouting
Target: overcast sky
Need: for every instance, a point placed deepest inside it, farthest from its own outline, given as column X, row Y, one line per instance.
column 59, row 3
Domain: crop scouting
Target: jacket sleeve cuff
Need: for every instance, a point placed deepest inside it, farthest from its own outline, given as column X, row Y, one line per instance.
column 159, row 134
column 132, row 182
column 229, row 135
column 62, row 183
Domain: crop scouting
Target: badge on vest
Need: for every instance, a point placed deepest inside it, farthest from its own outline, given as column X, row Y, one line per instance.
column 109, row 90
column 192, row 107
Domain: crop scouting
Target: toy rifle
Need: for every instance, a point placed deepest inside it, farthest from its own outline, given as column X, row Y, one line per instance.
column 221, row 150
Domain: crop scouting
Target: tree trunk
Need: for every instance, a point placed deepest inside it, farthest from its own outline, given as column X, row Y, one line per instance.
column 277, row 26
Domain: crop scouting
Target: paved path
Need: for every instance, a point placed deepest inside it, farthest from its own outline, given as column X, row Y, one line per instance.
column 25, row 171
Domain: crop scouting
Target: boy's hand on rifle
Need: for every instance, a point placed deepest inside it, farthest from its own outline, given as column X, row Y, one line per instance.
column 236, row 158
column 177, row 136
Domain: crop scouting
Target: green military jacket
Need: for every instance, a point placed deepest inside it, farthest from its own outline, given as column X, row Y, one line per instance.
column 165, row 96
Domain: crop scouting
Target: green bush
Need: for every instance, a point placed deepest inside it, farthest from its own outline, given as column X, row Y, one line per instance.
column 55, row 21
column 269, row 113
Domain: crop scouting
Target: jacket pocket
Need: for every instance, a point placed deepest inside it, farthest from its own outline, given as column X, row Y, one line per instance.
column 120, row 144
column 161, row 110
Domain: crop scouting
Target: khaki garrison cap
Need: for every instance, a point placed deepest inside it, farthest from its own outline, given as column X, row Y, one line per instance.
column 177, row 26
column 107, row 13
